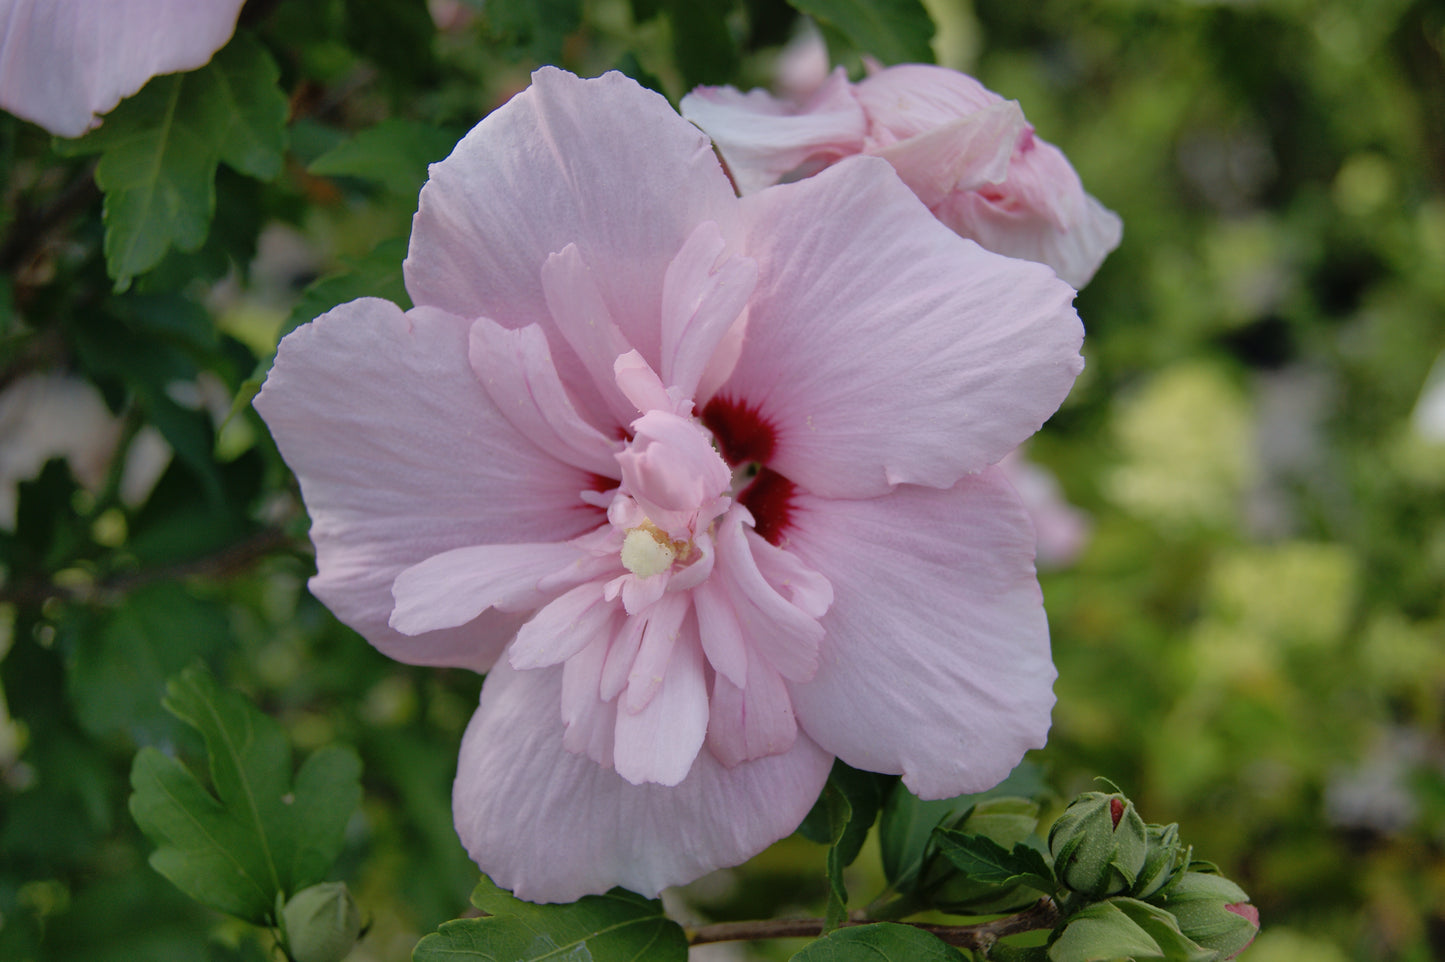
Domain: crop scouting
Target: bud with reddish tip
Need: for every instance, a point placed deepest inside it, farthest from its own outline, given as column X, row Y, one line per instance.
column 321, row 923
column 1212, row 911
column 1099, row 845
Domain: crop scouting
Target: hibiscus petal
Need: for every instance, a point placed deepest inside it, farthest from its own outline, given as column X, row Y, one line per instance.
column 580, row 313
column 603, row 164
column 762, row 138
column 451, row 588
column 911, row 99
column 962, row 154
column 780, row 631
column 563, row 628
column 936, row 662
column 750, row 722
column 554, row 826
column 701, row 299
column 401, row 456
column 659, row 742
column 882, row 349
column 516, row 369
column 720, row 633
column 65, row 62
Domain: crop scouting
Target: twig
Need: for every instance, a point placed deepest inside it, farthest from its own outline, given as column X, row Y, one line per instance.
column 230, row 560
column 1043, row 914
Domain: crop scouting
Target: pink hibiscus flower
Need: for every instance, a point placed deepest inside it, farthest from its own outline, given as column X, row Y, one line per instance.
column 965, row 151
column 63, row 63
column 703, row 482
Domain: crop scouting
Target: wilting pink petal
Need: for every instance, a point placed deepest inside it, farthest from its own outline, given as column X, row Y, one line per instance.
column 955, row 670
column 714, row 459
column 519, row 793
column 966, row 152
column 63, row 63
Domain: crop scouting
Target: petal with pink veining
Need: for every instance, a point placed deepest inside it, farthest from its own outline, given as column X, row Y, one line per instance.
column 553, row 826
column 401, row 456
column 451, row 588
column 887, row 350
column 949, row 682
column 963, row 154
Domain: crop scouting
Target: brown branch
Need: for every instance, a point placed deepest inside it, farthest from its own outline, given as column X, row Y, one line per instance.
column 1043, row 914
column 230, row 560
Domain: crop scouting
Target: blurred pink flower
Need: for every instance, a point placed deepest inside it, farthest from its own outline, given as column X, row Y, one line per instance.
column 1062, row 529
column 63, row 63
column 704, row 483
column 967, row 153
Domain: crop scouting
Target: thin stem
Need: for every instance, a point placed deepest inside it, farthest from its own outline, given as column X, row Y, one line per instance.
column 1041, row 915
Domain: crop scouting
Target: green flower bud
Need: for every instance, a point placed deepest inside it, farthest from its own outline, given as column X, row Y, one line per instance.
column 1212, row 911
column 321, row 923
column 1099, row 844
column 1162, row 857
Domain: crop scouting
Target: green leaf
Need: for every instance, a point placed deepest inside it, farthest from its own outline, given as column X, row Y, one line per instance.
column 1102, row 932
column 893, row 31
column 865, row 792
column 880, row 942
column 702, row 42
column 535, row 29
column 394, row 153
column 159, row 152
column 906, row 824
column 984, row 860
column 255, row 836
column 378, row 274
column 617, row 927
column 119, row 671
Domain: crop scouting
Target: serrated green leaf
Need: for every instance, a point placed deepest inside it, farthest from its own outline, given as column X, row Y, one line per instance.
column 906, row 823
column 159, row 152
column 893, row 31
column 984, row 860
column 394, row 153
column 880, row 942
column 620, row 926
column 255, row 836
column 1101, row 932
column 119, row 668
column 840, row 813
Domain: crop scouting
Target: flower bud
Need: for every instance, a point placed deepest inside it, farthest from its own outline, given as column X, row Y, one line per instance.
column 1212, row 911
column 1099, row 844
column 1162, row 856
column 321, row 923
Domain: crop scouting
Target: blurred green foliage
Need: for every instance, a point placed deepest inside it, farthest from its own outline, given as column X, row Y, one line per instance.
column 1251, row 645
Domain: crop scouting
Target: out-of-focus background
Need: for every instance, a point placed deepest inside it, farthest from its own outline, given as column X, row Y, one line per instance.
column 1244, row 559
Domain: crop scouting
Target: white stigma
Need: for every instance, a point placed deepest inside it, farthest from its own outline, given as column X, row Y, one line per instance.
column 646, row 551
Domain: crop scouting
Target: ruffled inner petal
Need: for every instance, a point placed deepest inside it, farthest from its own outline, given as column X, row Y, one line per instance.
column 660, row 742
column 452, row 588
column 515, row 367
column 701, row 301
column 752, row 721
column 580, row 313
column 564, row 627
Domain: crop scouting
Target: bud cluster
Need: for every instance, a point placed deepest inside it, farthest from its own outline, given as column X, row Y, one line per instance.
column 1130, row 884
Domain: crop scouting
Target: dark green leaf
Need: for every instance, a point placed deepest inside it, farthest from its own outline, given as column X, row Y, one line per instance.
column 865, row 792
column 378, row 274
column 893, row 31
column 840, row 813
column 702, row 41
column 984, row 860
column 119, row 668
column 617, row 927
column 535, row 29
column 905, row 826
column 880, row 942
column 255, row 836
column 396, row 35
column 160, row 148
column 394, row 154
